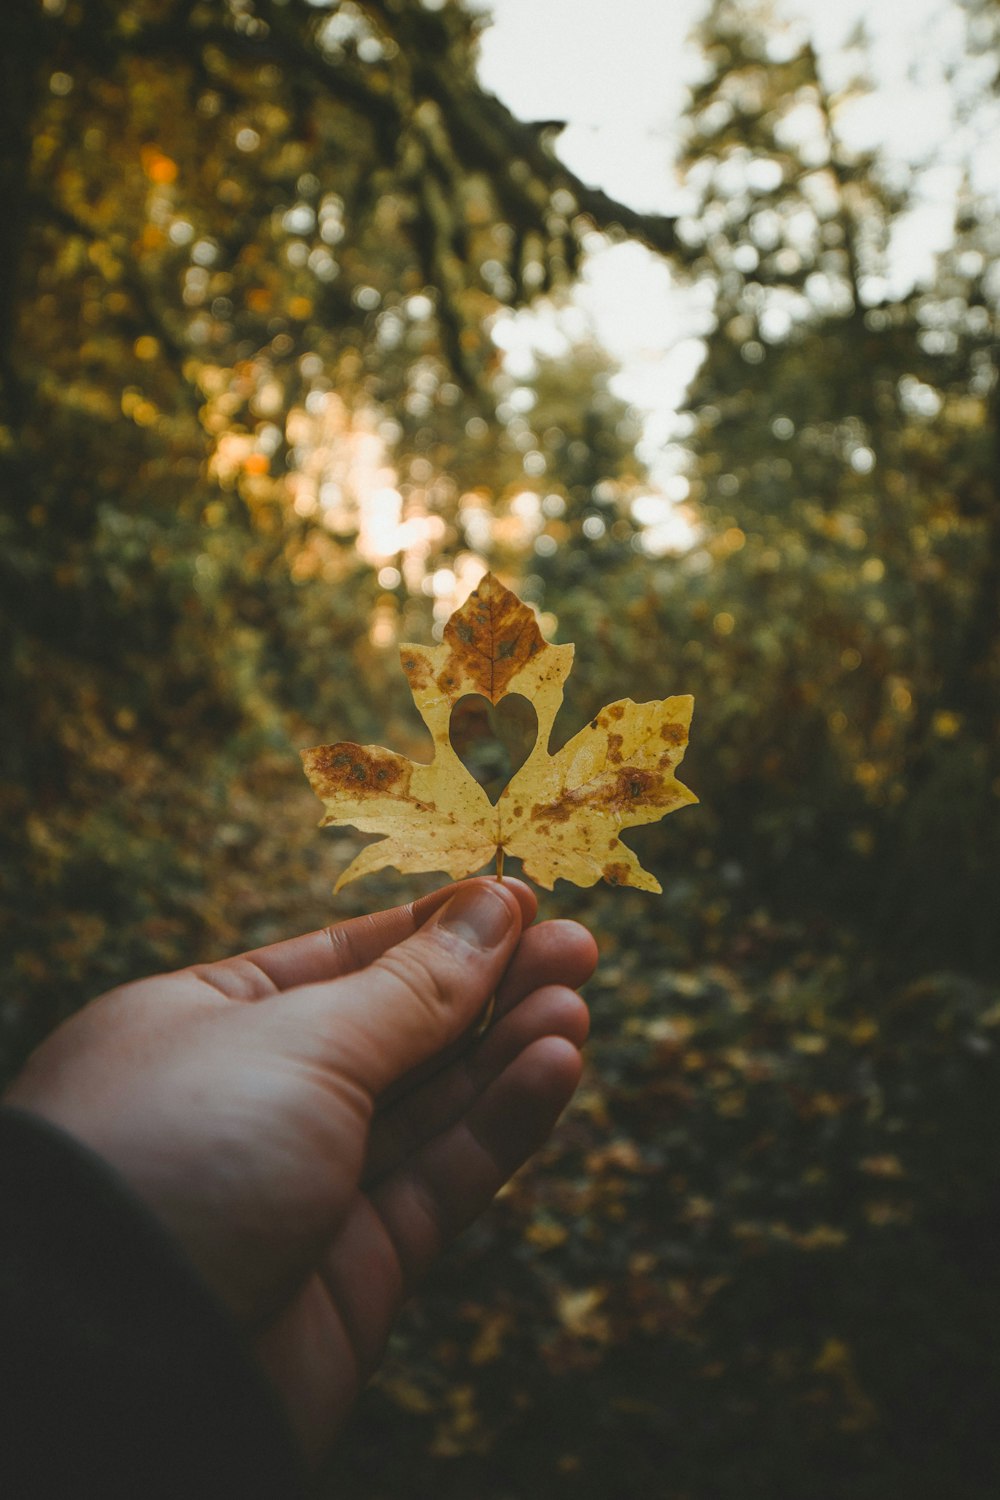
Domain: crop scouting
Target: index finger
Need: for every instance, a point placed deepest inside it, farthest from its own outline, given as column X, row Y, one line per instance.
column 348, row 946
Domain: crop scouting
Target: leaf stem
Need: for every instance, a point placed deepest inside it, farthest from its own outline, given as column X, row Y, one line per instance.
column 499, row 861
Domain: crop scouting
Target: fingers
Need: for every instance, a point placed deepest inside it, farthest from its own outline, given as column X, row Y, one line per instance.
column 455, row 1176
column 340, row 949
column 556, row 952
column 437, row 1103
column 415, row 998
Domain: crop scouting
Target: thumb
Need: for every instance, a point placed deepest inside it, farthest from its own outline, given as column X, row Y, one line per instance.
column 419, row 996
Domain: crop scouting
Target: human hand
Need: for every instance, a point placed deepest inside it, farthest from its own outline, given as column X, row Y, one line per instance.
column 314, row 1121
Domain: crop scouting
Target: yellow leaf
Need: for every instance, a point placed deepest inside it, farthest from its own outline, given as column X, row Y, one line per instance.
column 157, row 166
column 561, row 814
column 577, row 1311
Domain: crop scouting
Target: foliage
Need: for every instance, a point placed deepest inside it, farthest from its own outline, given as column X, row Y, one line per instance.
column 256, row 252
column 854, row 517
column 838, row 621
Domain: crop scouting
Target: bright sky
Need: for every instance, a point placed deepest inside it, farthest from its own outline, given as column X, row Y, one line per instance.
column 617, row 74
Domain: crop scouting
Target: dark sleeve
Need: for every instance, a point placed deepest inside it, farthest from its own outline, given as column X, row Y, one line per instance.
column 121, row 1378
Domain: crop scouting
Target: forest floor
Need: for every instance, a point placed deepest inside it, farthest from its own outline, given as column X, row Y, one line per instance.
column 757, row 1258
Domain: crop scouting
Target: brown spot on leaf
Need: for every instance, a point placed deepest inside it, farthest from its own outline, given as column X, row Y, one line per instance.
column 489, row 640
column 633, row 784
column 417, row 669
column 674, row 734
column 357, row 769
column 627, row 788
column 616, row 873
column 555, row 812
column 616, row 711
column 615, row 742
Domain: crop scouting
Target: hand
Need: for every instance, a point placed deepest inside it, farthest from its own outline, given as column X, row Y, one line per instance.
column 315, row 1120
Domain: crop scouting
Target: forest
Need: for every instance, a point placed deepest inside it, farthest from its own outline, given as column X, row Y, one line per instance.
column 256, row 431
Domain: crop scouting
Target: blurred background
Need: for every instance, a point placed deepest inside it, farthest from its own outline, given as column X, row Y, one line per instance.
column 683, row 320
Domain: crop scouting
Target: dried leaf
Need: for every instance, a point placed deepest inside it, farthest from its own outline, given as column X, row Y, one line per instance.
column 561, row 814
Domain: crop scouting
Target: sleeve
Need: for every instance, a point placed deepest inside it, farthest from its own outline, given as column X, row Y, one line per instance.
column 121, row 1376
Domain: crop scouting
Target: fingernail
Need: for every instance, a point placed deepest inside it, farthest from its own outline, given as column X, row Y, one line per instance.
column 477, row 916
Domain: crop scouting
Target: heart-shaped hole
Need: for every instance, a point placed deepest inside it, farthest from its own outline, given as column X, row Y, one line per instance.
column 493, row 740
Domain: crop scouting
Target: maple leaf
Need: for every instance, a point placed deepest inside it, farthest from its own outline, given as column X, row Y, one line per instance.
column 561, row 814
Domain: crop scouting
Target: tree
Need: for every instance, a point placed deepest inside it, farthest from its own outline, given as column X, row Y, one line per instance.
column 249, row 246
column 840, row 457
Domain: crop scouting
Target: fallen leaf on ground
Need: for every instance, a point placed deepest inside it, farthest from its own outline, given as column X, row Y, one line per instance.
column 560, row 814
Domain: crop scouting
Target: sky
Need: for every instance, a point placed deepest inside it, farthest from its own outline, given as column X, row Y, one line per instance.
column 617, row 74
column 621, row 86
